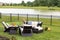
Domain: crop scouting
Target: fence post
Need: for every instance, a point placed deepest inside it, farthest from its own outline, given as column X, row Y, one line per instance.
column 27, row 17
column 38, row 17
column 10, row 17
column 18, row 17
column 0, row 15
column 51, row 21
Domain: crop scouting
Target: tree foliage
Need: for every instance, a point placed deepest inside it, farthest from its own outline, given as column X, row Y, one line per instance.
column 39, row 3
column 23, row 3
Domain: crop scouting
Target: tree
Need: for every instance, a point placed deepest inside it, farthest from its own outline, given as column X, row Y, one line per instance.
column 23, row 3
column 29, row 3
column 3, row 4
column 19, row 4
column 40, row 3
column 43, row 2
column 11, row 4
column 58, row 3
column 7, row 4
column 36, row 3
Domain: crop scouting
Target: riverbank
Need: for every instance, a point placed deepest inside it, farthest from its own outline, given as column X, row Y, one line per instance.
column 39, row 8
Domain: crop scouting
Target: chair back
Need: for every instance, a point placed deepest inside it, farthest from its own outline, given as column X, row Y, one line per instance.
column 5, row 25
column 27, row 29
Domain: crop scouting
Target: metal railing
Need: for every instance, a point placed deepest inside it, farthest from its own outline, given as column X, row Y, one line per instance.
column 46, row 19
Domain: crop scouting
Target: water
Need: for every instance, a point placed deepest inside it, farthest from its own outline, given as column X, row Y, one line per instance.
column 50, row 12
column 20, row 11
column 30, row 11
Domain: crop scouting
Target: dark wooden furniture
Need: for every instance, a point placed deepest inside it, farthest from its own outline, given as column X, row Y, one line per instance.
column 13, row 30
column 25, row 31
column 10, row 29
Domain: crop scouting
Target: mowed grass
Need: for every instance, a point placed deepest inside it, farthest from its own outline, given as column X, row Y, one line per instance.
column 54, row 34
column 27, row 7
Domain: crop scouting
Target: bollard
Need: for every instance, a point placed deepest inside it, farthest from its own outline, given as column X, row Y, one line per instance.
column 51, row 21
column 27, row 18
column 10, row 17
column 18, row 17
column 38, row 17
column 0, row 15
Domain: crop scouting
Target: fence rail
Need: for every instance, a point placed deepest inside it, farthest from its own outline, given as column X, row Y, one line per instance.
column 46, row 19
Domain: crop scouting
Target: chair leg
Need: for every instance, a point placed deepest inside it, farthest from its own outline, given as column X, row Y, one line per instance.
column 6, row 30
column 19, row 31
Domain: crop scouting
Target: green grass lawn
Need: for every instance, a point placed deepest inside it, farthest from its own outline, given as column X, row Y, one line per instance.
column 26, row 7
column 54, row 34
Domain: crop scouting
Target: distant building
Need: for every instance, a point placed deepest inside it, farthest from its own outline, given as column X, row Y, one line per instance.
column 1, row 3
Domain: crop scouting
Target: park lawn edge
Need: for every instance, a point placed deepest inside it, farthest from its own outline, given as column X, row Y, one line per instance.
column 38, row 8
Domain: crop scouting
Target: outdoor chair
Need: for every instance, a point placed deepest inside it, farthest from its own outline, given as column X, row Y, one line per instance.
column 36, row 26
column 13, row 30
column 37, row 29
column 34, row 22
column 25, row 30
column 10, row 29
column 6, row 27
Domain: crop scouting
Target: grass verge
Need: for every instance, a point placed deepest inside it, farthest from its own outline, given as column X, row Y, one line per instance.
column 38, row 8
